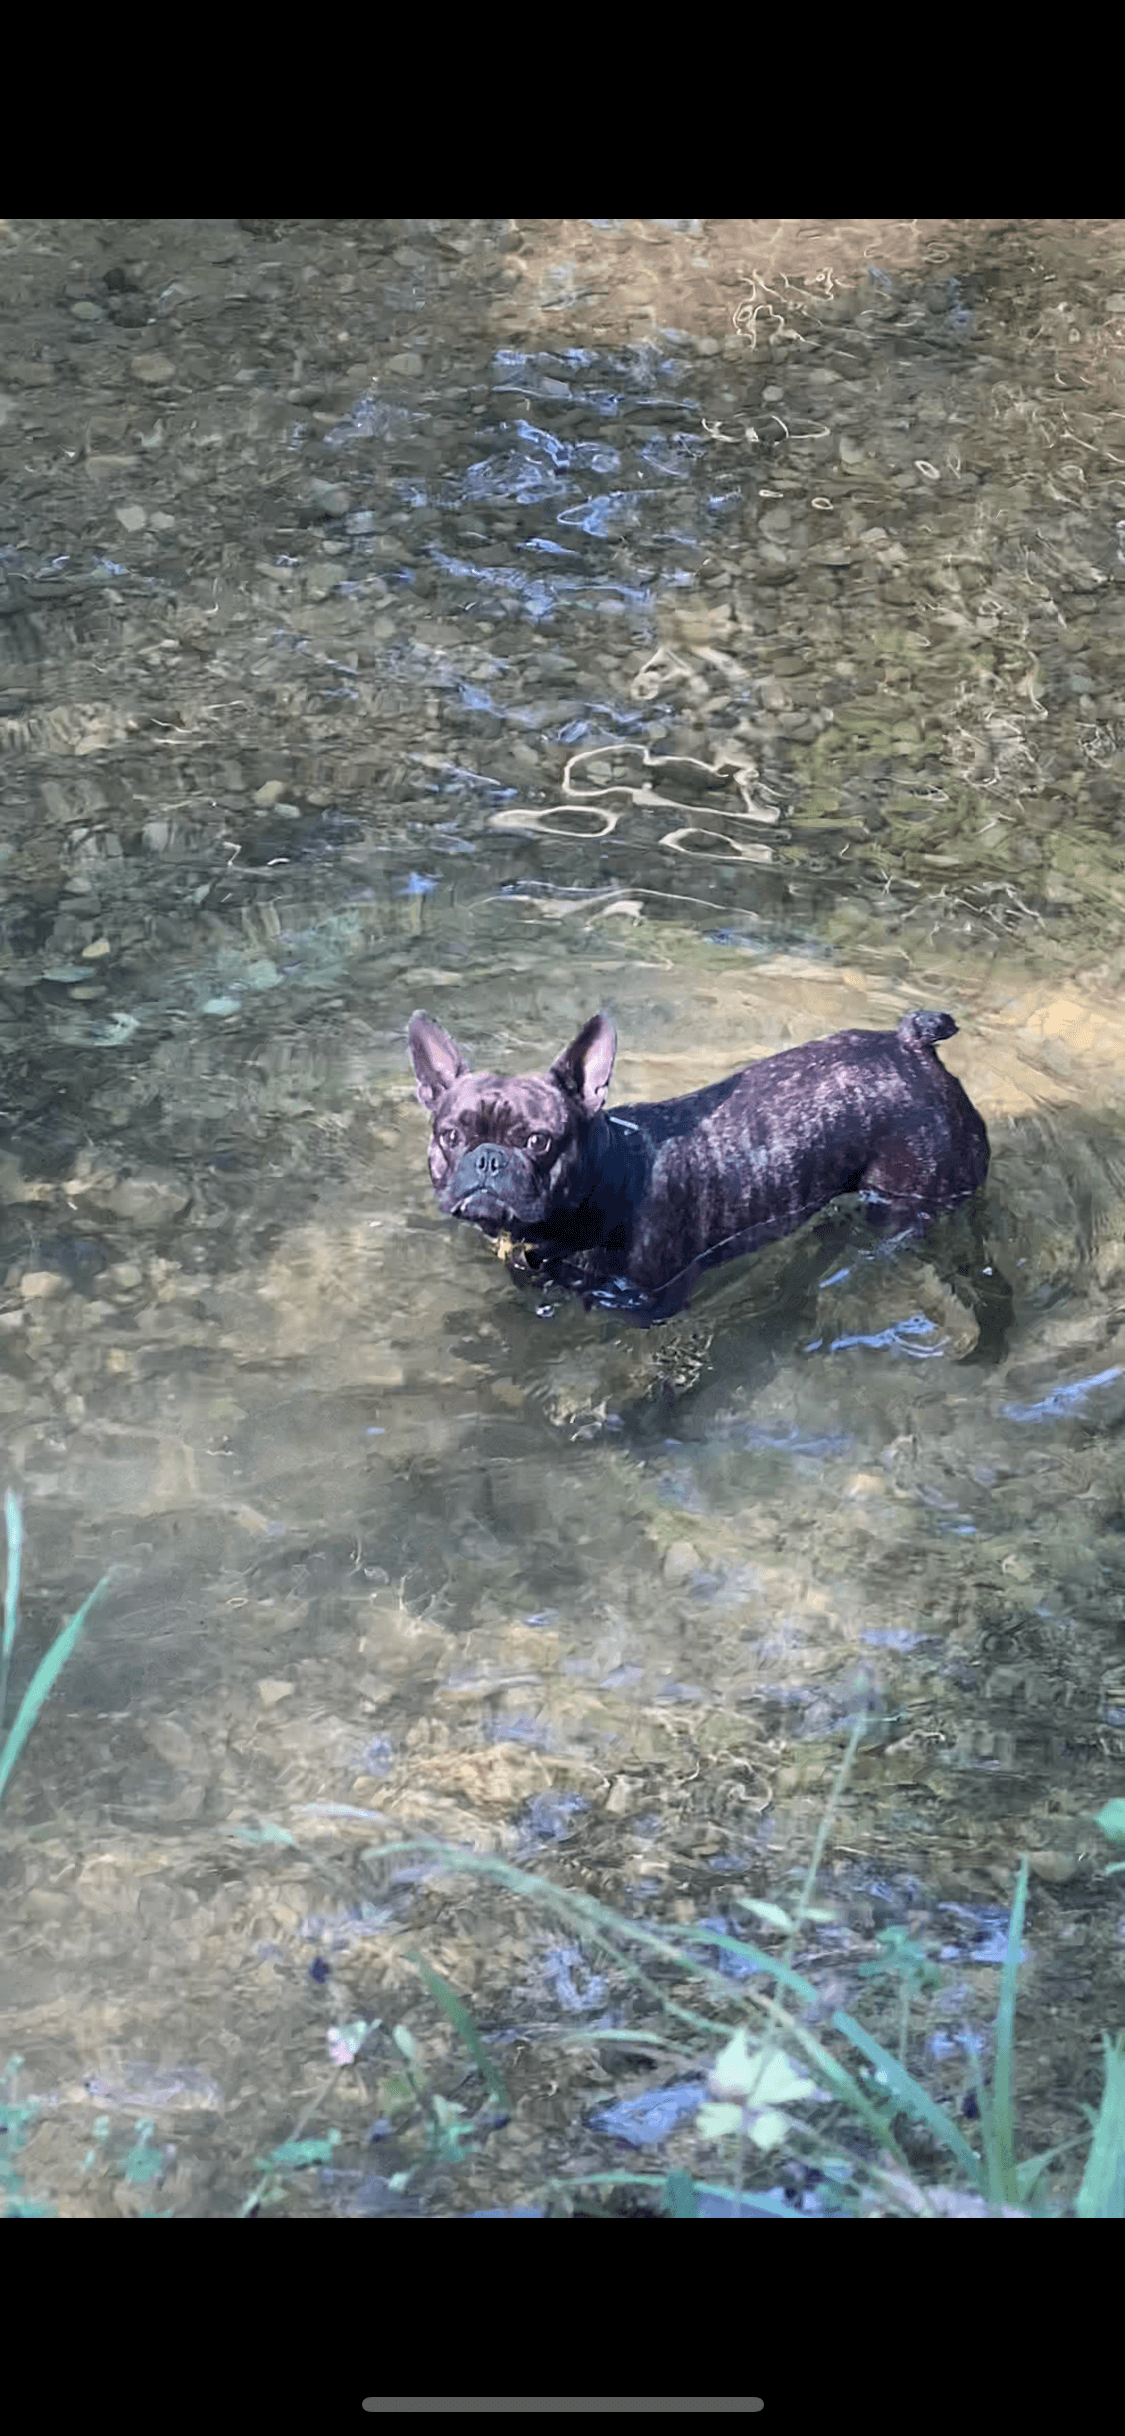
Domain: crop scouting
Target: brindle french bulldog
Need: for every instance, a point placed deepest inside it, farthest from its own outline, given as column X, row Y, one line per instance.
column 628, row 1207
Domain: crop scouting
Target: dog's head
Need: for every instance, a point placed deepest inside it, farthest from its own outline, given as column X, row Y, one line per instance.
column 510, row 1153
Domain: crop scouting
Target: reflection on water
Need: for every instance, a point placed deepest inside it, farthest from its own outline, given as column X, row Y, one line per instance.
column 714, row 622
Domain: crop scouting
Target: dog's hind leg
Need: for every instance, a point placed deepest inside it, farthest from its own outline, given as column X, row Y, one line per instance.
column 965, row 1255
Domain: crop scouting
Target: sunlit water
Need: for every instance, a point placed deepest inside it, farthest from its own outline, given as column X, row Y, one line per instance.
column 718, row 623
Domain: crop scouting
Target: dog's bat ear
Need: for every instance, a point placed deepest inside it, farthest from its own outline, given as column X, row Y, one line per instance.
column 585, row 1068
column 436, row 1059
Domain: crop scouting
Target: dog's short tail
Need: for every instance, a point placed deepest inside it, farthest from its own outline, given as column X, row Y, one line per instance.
column 923, row 1026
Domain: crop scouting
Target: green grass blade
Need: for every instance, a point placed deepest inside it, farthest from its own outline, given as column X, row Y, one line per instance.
column 13, row 1517
column 1002, row 2126
column 42, row 1683
column 1103, row 2183
column 913, row 2100
column 457, row 2012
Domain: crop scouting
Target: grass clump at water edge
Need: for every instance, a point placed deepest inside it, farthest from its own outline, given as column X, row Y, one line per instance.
column 54, row 1659
column 764, row 2076
column 42, row 1683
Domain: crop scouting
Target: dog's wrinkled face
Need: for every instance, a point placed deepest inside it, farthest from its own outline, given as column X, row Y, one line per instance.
column 508, row 1152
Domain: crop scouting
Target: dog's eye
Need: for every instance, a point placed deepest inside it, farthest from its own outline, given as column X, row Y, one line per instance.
column 448, row 1137
column 537, row 1143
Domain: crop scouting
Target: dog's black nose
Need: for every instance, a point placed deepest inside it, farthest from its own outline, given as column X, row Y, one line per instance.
column 487, row 1162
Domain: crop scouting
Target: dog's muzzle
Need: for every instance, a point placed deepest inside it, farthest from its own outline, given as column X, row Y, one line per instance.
column 489, row 1184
